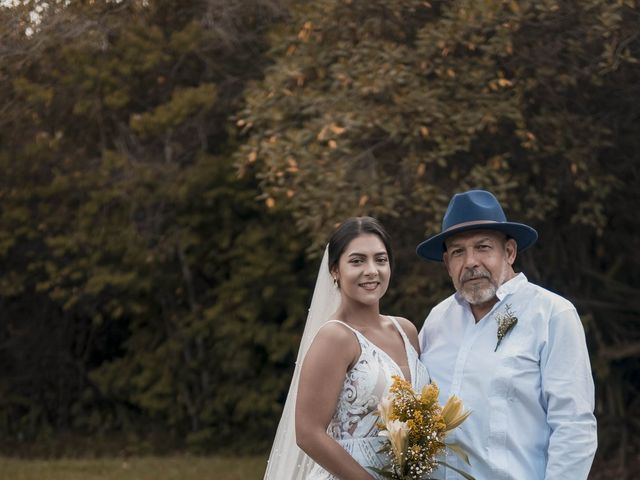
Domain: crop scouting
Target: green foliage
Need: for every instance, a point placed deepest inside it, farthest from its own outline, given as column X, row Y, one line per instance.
column 418, row 100
column 131, row 252
column 183, row 104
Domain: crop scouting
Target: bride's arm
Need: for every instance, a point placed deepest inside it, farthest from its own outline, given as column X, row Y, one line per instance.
column 329, row 357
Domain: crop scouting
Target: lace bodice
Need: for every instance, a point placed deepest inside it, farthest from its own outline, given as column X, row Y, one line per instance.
column 354, row 423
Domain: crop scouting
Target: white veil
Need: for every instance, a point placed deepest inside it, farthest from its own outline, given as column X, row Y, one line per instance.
column 287, row 461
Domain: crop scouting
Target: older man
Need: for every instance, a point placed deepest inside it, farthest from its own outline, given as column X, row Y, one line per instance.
column 514, row 352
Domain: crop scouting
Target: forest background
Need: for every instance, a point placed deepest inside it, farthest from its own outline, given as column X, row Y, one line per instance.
column 171, row 170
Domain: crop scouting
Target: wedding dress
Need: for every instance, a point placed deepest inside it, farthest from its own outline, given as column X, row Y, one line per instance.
column 354, row 424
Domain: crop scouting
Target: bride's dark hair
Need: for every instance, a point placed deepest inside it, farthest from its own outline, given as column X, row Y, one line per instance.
column 350, row 229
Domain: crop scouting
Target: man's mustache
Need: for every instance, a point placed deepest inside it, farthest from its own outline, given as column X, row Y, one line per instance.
column 474, row 275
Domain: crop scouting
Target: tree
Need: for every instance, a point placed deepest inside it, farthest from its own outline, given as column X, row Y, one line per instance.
column 125, row 230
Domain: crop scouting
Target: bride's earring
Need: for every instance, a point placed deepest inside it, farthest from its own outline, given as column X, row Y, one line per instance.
column 335, row 282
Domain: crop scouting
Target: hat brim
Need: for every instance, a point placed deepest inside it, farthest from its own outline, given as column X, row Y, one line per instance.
column 433, row 248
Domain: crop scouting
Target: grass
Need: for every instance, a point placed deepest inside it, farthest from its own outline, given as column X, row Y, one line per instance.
column 135, row 468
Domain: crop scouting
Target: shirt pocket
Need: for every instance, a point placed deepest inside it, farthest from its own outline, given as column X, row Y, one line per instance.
column 520, row 362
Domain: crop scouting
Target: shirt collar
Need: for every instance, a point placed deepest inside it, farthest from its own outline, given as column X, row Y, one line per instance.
column 511, row 286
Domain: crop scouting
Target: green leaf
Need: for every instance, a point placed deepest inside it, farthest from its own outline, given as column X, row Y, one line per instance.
column 459, row 451
column 384, row 473
column 463, row 473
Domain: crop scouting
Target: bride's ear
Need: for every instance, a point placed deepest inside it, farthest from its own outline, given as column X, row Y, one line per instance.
column 335, row 274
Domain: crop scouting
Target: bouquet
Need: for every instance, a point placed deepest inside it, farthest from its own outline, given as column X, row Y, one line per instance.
column 416, row 427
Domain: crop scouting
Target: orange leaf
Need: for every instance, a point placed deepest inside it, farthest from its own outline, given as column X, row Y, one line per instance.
column 336, row 129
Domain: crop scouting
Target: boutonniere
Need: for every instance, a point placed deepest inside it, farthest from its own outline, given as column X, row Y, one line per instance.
column 506, row 321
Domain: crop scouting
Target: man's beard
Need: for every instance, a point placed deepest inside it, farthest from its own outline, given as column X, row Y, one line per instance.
column 477, row 294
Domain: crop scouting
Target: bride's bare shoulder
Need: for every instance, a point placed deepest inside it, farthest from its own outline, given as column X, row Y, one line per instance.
column 335, row 332
column 334, row 343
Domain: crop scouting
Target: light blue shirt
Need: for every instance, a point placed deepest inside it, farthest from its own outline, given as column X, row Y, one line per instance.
column 532, row 401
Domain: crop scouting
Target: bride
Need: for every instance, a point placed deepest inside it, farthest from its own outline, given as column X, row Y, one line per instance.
column 347, row 356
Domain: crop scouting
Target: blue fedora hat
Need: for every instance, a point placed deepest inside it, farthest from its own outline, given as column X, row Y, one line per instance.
column 475, row 210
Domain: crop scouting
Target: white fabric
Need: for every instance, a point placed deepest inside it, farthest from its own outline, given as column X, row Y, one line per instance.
column 532, row 400
column 353, row 425
column 287, row 461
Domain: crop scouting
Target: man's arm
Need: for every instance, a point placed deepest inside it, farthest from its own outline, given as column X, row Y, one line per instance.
column 567, row 387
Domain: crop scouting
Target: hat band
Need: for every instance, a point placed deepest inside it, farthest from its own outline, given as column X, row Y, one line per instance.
column 466, row 224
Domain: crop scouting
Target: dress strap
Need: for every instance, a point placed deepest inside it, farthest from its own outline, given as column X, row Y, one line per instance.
column 362, row 340
column 411, row 350
column 403, row 334
column 356, row 332
column 412, row 356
